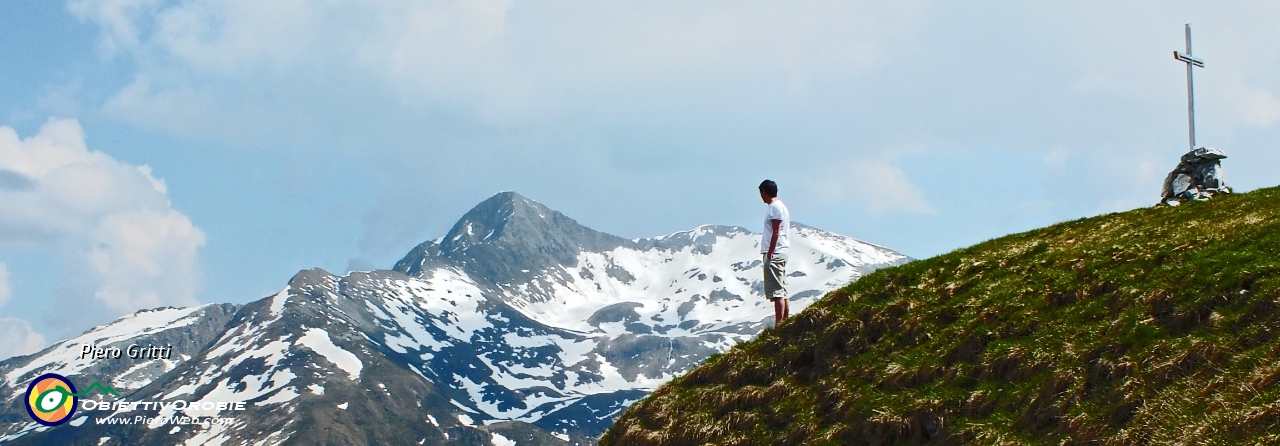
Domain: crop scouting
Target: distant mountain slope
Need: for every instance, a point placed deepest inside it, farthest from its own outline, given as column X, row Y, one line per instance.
column 185, row 329
column 1154, row 326
column 519, row 324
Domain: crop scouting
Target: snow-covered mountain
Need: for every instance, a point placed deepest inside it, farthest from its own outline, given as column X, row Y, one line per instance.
column 519, row 326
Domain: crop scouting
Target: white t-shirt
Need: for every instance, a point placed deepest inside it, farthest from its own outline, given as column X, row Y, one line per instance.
column 777, row 211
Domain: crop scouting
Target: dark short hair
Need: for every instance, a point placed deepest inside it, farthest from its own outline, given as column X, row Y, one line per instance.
column 769, row 187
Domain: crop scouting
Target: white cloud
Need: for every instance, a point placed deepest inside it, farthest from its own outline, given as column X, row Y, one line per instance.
column 177, row 107
column 19, row 338
column 656, row 90
column 878, row 186
column 116, row 17
column 5, row 291
column 145, row 259
column 57, row 188
column 502, row 59
column 128, row 244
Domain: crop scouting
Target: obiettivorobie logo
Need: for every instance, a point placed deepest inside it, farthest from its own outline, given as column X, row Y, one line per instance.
column 52, row 398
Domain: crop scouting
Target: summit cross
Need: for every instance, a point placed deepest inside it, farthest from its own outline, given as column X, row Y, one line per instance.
column 1191, row 97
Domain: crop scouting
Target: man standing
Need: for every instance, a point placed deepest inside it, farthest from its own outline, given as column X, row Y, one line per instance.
column 773, row 245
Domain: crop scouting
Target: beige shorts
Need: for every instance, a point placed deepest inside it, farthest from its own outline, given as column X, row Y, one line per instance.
column 775, row 277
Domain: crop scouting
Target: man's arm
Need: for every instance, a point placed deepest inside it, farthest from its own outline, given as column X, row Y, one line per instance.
column 773, row 241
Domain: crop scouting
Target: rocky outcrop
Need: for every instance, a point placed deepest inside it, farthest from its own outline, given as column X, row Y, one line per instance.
column 1197, row 177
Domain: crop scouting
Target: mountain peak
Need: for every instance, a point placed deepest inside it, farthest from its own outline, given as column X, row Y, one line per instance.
column 489, row 220
column 508, row 237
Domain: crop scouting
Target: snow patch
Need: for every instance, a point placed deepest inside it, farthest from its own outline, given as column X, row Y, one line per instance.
column 283, row 396
column 278, row 301
column 318, row 341
column 215, row 435
column 499, row 440
column 254, row 386
column 272, row 353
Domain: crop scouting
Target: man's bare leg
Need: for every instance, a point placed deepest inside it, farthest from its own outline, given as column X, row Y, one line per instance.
column 780, row 310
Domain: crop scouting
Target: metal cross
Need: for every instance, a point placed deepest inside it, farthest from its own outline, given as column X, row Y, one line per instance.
column 1191, row 96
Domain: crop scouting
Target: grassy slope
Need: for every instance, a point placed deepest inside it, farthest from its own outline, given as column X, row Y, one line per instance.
column 1159, row 326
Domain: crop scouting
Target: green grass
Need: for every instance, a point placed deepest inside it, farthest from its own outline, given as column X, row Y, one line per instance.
column 1154, row 326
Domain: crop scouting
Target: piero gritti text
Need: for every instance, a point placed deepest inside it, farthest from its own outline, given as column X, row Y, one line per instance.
column 132, row 352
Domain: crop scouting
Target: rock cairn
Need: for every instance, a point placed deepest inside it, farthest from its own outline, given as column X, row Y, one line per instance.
column 1197, row 177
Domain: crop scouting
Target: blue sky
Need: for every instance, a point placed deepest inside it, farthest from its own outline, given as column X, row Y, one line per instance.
column 169, row 153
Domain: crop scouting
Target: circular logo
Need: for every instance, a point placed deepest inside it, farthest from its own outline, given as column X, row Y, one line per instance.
column 51, row 399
